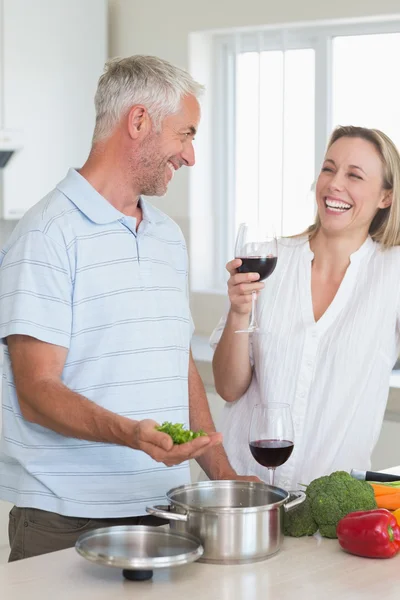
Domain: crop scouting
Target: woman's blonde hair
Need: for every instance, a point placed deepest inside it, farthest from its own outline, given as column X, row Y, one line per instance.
column 385, row 226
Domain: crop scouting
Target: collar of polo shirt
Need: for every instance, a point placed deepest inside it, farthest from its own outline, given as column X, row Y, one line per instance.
column 94, row 206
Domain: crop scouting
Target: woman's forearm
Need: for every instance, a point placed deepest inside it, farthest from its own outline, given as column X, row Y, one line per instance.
column 231, row 363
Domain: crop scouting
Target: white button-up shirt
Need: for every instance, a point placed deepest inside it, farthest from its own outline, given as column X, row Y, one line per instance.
column 334, row 373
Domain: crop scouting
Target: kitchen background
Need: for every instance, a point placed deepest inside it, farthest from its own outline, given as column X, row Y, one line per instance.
column 43, row 83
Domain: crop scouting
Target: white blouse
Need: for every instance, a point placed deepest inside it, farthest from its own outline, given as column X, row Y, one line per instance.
column 334, row 372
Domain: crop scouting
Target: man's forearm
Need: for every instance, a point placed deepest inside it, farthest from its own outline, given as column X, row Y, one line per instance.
column 215, row 462
column 53, row 405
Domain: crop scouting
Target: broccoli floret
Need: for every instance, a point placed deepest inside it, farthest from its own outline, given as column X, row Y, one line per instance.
column 325, row 510
column 333, row 497
column 299, row 521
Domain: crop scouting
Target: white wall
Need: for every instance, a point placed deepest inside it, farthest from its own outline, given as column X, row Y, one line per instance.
column 52, row 53
column 159, row 28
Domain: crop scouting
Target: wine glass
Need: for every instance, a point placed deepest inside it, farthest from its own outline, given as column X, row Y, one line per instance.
column 257, row 248
column 271, row 436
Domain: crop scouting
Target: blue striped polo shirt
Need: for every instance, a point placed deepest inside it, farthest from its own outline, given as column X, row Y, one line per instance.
column 75, row 273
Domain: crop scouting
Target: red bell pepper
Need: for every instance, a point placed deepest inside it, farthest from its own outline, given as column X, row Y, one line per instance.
column 370, row 533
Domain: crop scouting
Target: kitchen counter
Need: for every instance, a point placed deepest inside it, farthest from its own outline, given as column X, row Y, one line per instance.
column 306, row 568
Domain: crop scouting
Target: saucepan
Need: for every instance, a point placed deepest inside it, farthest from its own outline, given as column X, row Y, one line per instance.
column 236, row 521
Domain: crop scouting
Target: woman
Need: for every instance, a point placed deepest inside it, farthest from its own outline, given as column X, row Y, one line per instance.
column 331, row 317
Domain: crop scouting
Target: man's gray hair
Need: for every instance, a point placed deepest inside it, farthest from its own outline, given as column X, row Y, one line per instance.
column 153, row 82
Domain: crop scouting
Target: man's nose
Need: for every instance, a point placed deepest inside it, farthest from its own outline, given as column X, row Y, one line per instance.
column 188, row 155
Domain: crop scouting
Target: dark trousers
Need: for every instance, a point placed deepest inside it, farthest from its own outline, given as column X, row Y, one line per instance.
column 32, row 531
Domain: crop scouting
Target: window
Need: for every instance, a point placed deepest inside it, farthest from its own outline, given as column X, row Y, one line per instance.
column 278, row 93
column 274, row 109
column 365, row 82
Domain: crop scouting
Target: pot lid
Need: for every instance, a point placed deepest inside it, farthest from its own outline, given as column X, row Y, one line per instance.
column 138, row 547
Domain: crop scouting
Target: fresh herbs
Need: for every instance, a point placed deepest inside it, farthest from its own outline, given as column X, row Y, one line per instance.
column 179, row 434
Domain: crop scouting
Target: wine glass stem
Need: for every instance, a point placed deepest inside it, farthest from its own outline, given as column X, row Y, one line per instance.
column 271, row 476
column 253, row 320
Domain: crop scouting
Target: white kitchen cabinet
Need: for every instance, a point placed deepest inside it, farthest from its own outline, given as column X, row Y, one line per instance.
column 52, row 54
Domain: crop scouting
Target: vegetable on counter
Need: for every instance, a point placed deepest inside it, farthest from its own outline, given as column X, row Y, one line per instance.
column 178, row 433
column 387, row 495
column 300, row 521
column 371, row 533
column 396, row 514
column 330, row 498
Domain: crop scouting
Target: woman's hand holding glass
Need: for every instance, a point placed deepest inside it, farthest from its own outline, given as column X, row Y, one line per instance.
column 241, row 286
column 256, row 248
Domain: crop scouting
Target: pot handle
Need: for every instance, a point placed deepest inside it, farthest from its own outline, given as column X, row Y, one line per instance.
column 164, row 512
column 300, row 497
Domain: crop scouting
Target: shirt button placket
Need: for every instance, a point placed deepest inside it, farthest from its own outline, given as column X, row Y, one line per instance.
column 303, row 388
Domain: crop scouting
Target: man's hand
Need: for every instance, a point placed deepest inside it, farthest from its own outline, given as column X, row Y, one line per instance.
column 160, row 447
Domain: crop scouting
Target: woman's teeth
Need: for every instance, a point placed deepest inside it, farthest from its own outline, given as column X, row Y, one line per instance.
column 337, row 206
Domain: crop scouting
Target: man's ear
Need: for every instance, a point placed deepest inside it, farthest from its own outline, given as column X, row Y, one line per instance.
column 139, row 122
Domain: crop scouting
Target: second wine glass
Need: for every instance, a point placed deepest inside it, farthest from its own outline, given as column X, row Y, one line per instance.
column 271, row 435
column 257, row 248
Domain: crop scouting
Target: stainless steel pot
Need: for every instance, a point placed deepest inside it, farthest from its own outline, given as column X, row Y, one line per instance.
column 236, row 521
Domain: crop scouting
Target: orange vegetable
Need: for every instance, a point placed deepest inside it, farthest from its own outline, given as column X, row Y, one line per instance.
column 386, row 496
column 384, row 490
column 390, row 501
column 396, row 514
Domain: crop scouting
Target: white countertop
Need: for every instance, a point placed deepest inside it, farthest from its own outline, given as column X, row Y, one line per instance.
column 305, row 568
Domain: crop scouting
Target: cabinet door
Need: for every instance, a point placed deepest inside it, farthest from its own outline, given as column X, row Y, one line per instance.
column 53, row 54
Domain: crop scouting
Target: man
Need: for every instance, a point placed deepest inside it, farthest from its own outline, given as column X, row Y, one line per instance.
column 95, row 318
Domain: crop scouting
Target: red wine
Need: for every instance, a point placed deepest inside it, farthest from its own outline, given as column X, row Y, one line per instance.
column 264, row 266
column 271, row 453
